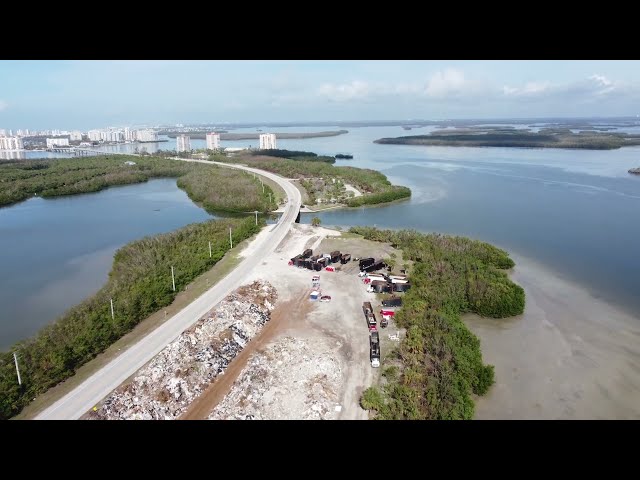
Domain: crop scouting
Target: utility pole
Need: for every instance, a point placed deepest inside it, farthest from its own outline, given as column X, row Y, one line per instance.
column 173, row 279
column 15, row 358
column 256, row 217
column 209, row 249
column 112, row 314
column 230, row 239
column 269, row 199
column 262, row 186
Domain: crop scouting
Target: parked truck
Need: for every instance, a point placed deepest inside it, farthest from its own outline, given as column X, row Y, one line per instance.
column 374, row 349
column 392, row 302
column 369, row 315
column 365, row 262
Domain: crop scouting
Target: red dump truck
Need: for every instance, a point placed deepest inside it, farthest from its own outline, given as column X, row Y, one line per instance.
column 369, row 315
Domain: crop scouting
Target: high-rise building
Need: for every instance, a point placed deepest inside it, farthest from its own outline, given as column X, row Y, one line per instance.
column 146, row 135
column 75, row 136
column 11, row 143
column 183, row 143
column 94, row 135
column 267, row 141
column 128, row 134
column 213, row 141
column 57, row 142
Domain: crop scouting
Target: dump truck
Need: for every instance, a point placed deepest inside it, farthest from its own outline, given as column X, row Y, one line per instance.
column 377, row 264
column 368, row 314
column 401, row 286
column 392, row 302
column 374, row 349
column 365, row 262
column 379, row 286
column 335, row 256
column 307, row 253
column 345, row 257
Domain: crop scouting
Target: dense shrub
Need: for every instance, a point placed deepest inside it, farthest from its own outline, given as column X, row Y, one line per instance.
column 216, row 187
column 375, row 186
column 440, row 359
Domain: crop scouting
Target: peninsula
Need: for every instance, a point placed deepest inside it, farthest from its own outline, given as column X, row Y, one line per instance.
column 519, row 138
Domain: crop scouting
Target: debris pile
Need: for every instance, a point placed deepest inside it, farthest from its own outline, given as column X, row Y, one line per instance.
column 292, row 379
column 165, row 387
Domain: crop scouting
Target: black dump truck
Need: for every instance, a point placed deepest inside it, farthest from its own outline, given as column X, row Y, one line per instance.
column 380, row 286
column 366, row 262
column 346, row 257
column 376, row 265
column 335, row 256
column 374, row 349
column 392, row 302
column 307, row 253
column 401, row 287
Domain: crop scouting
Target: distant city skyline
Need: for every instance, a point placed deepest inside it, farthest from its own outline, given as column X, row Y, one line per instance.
column 83, row 95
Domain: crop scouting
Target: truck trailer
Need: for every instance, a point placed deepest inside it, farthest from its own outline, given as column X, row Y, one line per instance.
column 392, row 302
column 369, row 315
column 374, row 349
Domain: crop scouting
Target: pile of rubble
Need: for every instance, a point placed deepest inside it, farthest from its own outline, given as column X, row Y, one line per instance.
column 292, row 379
column 165, row 387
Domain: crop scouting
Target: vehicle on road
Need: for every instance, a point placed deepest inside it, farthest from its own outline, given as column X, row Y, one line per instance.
column 325, row 298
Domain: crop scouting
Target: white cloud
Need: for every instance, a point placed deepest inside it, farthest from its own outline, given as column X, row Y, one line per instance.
column 3, row 105
column 447, row 83
column 590, row 88
column 530, row 88
column 601, row 79
column 347, row 91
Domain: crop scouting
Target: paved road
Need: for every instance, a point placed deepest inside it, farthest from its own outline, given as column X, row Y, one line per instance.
column 81, row 399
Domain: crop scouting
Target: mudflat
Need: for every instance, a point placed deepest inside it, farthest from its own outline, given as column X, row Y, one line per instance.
column 569, row 356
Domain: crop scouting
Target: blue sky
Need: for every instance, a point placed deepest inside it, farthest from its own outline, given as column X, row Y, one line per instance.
column 92, row 94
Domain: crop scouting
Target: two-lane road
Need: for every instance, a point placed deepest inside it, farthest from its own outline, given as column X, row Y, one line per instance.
column 77, row 402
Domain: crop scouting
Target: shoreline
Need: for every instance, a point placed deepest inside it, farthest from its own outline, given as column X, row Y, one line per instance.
column 568, row 356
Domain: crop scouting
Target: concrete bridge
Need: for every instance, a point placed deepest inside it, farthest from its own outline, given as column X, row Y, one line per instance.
column 82, row 152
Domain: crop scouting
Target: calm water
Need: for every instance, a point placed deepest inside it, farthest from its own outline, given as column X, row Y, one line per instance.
column 56, row 252
column 577, row 212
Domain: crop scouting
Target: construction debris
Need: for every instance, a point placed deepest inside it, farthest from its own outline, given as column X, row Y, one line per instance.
column 293, row 378
column 165, row 387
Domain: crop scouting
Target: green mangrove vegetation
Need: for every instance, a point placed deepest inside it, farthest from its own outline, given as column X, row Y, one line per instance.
column 374, row 186
column 510, row 137
column 217, row 188
column 294, row 155
column 438, row 365
column 139, row 283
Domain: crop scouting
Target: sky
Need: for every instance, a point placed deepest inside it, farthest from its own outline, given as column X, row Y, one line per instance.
column 84, row 94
